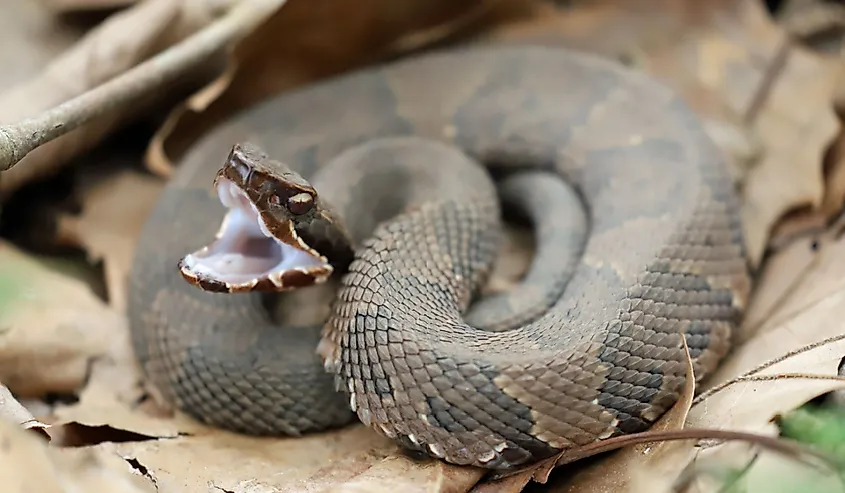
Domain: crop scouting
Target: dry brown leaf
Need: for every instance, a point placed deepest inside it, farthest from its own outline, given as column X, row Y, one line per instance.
column 794, row 226
column 347, row 460
column 27, row 464
column 398, row 473
column 794, row 282
column 11, row 410
column 795, row 132
column 117, row 44
column 361, row 31
column 777, row 285
column 52, row 327
column 114, row 209
column 809, row 220
column 748, row 401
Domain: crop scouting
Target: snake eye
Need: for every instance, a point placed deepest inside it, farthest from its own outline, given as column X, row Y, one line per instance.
column 300, row 203
column 274, row 199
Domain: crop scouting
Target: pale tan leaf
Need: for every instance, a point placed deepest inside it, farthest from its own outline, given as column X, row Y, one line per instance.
column 397, row 473
column 796, row 133
column 319, row 462
column 793, row 282
column 614, row 29
column 53, row 326
column 781, row 285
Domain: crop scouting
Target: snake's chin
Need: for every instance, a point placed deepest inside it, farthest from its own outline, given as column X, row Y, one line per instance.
column 245, row 256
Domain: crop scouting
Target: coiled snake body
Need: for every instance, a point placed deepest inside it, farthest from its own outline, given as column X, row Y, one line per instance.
column 664, row 256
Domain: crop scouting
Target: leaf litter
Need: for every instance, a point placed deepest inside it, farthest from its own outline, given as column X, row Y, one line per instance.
column 768, row 102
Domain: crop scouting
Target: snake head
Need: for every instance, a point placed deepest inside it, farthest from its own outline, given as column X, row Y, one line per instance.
column 263, row 241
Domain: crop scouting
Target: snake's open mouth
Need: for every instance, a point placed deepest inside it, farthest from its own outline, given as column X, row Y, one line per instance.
column 246, row 256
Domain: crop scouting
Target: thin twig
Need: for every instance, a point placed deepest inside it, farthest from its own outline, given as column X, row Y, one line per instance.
column 747, row 376
column 788, row 448
column 19, row 139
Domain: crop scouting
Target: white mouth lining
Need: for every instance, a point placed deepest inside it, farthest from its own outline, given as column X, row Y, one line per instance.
column 244, row 250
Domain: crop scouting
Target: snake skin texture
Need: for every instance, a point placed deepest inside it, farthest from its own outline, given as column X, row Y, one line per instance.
column 663, row 257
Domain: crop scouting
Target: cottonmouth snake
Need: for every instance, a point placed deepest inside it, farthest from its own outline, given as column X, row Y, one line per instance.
column 664, row 256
